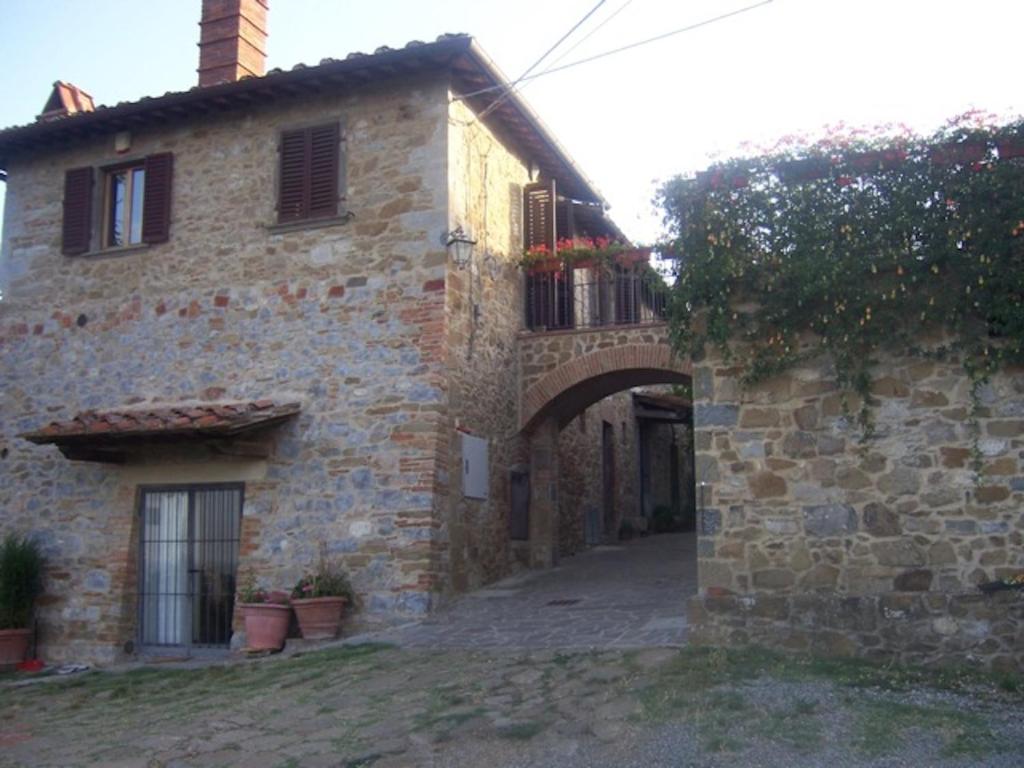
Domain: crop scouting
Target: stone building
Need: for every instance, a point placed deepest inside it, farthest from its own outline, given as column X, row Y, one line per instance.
column 237, row 325
column 285, row 311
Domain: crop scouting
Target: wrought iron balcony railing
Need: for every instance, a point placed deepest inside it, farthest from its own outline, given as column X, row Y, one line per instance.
column 569, row 297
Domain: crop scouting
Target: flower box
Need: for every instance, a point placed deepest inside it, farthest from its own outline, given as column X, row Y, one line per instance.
column 958, row 154
column 543, row 266
column 1010, row 148
column 808, row 169
column 633, row 257
column 876, row 160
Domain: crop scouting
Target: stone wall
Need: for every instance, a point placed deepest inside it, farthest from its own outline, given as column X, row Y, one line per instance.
column 483, row 313
column 811, row 540
column 661, row 437
column 349, row 320
column 580, row 486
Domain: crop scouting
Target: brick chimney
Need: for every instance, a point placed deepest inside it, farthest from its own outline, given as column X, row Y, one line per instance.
column 232, row 40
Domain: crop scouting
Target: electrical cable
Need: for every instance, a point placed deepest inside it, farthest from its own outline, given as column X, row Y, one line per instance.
column 537, row 63
column 657, row 38
column 589, row 34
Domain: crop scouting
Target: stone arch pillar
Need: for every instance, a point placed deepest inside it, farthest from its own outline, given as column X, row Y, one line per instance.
column 543, row 441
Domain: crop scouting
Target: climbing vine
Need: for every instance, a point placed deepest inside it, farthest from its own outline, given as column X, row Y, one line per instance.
column 852, row 245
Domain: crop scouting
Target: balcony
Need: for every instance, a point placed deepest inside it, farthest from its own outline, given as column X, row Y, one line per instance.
column 562, row 296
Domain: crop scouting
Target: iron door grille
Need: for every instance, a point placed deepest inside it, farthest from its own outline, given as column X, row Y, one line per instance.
column 189, row 558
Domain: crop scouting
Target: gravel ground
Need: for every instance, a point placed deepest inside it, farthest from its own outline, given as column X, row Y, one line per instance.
column 388, row 707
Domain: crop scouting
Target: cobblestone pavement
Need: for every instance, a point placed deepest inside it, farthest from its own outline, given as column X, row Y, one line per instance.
column 631, row 595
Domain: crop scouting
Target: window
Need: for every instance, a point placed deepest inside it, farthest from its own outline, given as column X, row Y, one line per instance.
column 135, row 205
column 190, row 538
column 310, row 173
column 122, row 207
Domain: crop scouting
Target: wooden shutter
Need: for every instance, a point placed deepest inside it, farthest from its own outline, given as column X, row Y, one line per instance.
column 565, row 221
column 291, row 204
column 76, row 234
column 539, row 215
column 309, row 173
column 323, row 171
column 156, row 201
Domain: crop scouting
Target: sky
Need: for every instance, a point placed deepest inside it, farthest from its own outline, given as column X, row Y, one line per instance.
column 630, row 120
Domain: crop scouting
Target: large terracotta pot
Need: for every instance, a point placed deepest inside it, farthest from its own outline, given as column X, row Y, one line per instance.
column 13, row 646
column 266, row 625
column 319, row 617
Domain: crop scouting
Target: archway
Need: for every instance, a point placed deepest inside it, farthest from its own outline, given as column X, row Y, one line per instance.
column 562, row 393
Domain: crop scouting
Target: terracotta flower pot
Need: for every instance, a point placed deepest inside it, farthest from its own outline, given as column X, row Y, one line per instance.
column 13, row 646
column 266, row 625
column 319, row 617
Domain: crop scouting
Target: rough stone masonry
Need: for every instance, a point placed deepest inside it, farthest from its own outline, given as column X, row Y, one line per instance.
column 812, row 540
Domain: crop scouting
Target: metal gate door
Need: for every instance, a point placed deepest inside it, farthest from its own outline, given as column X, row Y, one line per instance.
column 189, row 557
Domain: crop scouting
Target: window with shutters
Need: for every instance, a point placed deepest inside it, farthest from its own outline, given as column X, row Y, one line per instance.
column 123, row 193
column 309, row 178
column 135, row 205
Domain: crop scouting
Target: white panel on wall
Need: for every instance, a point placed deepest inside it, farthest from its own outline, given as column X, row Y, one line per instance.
column 475, row 473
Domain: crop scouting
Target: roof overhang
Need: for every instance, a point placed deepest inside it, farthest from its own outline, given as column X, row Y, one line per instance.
column 471, row 69
column 108, row 436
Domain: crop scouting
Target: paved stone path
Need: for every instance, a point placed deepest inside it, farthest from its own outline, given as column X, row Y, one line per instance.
column 631, row 595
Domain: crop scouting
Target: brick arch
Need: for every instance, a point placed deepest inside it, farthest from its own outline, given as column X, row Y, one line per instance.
column 570, row 388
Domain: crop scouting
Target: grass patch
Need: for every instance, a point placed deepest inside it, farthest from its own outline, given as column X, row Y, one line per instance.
column 699, row 668
column 523, row 731
column 884, row 725
column 446, row 708
column 796, row 726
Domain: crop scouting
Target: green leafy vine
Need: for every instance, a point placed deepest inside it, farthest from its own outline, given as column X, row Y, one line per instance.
column 854, row 245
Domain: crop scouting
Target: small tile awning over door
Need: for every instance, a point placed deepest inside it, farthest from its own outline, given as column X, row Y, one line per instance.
column 105, row 435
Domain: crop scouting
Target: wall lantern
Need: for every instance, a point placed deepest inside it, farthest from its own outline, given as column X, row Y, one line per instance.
column 460, row 246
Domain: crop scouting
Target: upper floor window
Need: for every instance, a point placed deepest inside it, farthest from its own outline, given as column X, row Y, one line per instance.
column 123, row 202
column 310, row 173
column 134, row 205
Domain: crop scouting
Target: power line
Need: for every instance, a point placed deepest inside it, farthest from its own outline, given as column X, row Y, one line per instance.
column 548, row 52
column 657, row 38
column 590, row 34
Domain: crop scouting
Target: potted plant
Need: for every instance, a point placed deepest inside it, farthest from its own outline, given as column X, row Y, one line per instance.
column 319, row 600
column 21, row 581
column 266, row 616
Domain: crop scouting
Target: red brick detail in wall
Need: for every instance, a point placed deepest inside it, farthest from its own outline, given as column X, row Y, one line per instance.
column 604, row 371
column 232, row 40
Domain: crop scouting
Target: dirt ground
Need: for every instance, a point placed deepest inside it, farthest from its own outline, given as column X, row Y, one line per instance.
column 381, row 706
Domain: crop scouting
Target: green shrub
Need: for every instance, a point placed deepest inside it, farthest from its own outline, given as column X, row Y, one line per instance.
column 21, row 580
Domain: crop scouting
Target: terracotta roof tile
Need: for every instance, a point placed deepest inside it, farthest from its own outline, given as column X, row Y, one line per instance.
column 199, row 420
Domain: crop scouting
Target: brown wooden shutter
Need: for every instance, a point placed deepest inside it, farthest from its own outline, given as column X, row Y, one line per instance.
column 291, row 203
column 539, row 215
column 323, row 171
column 310, row 169
column 156, row 201
column 565, row 221
column 77, row 226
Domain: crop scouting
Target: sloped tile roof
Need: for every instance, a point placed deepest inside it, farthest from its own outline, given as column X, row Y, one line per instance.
column 223, row 419
column 473, row 73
